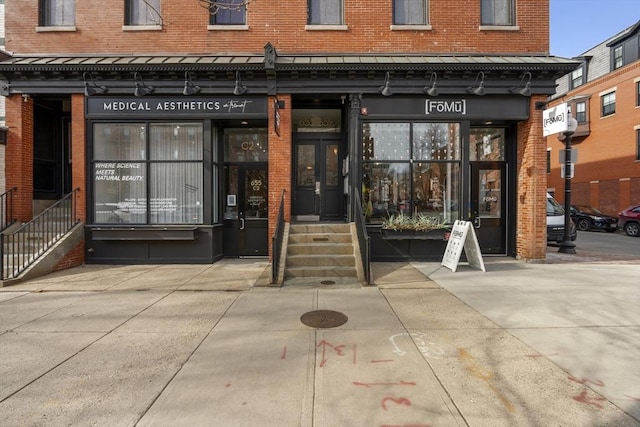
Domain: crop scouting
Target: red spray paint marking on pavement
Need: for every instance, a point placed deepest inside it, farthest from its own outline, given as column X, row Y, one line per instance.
column 585, row 381
column 582, row 397
column 400, row 401
column 370, row 385
column 284, row 353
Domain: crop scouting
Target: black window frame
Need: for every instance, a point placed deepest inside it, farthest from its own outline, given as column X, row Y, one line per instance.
column 607, row 108
column 44, row 20
column 577, row 81
column 581, row 116
column 617, row 57
column 637, row 145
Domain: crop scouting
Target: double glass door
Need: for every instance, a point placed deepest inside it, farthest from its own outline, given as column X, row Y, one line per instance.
column 318, row 181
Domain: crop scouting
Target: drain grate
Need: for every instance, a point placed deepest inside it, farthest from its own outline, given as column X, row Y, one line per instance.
column 324, row 319
column 328, row 282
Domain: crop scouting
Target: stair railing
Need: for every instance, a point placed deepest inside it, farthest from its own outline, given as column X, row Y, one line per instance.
column 7, row 216
column 21, row 249
column 277, row 241
column 364, row 241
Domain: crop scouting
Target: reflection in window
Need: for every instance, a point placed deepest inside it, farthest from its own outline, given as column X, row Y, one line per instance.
column 409, row 12
column 246, row 145
column 142, row 12
column 172, row 172
column 411, row 168
column 57, row 13
column 325, row 12
column 305, row 165
column 486, row 144
column 235, row 15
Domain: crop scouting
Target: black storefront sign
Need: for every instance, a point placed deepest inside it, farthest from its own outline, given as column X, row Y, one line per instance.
column 477, row 107
column 223, row 107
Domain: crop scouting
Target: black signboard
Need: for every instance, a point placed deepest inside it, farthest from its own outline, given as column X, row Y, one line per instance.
column 226, row 107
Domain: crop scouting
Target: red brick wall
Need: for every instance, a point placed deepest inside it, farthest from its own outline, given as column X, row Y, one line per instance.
column 606, row 166
column 19, row 154
column 78, row 147
column 73, row 258
column 280, row 152
column 531, row 180
column 455, row 28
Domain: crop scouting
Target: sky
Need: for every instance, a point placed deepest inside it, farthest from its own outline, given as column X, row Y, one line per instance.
column 579, row 25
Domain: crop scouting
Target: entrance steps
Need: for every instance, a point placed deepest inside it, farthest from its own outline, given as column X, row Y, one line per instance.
column 320, row 250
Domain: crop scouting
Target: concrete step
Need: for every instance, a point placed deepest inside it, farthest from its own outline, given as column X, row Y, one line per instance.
column 320, row 249
column 320, row 272
column 325, row 228
column 320, row 238
column 321, row 261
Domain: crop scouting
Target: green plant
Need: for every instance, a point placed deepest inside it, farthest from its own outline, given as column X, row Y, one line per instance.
column 419, row 222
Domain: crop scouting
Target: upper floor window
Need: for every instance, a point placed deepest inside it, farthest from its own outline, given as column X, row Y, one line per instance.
column 498, row 12
column 142, row 12
column 638, row 93
column 581, row 112
column 637, row 144
column 618, row 58
column 325, row 12
column 409, row 12
column 577, row 78
column 57, row 13
column 608, row 104
column 235, row 14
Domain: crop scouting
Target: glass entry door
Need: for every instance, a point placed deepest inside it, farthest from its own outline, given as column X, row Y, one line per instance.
column 488, row 205
column 246, row 210
column 318, row 182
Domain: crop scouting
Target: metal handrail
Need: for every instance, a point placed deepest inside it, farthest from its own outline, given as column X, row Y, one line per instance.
column 364, row 241
column 277, row 239
column 22, row 248
column 7, row 216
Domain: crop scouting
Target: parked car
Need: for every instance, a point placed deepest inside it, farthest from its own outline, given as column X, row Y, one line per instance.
column 629, row 220
column 555, row 222
column 589, row 218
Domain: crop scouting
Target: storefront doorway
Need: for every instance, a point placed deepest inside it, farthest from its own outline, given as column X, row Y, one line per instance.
column 488, row 205
column 317, row 181
column 246, row 214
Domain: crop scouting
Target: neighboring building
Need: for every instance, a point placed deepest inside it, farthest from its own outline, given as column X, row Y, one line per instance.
column 182, row 130
column 604, row 97
column 2, row 114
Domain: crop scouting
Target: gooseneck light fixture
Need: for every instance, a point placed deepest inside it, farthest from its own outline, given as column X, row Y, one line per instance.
column 90, row 86
column 385, row 90
column 189, row 87
column 432, row 89
column 523, row 90
column 240, row 89
column 142, row 89
column 567, row 246
column 477, row 88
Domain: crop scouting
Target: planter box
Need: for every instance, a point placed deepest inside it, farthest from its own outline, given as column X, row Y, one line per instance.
column 440, row 234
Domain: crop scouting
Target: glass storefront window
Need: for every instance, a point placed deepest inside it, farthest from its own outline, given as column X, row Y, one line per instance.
column 246, row 145
column 486, row 144
column 386, row 141
column 421, row 174
column 167, row 161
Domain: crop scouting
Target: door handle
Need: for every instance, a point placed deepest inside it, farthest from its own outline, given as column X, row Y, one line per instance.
column 241, row 223
column 318, row 187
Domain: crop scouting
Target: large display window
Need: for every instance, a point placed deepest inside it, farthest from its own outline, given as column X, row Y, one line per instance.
column 148, row 173
column 411, row 168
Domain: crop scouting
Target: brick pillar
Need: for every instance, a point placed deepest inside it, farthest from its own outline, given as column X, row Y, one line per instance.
column 79, row 156
column 279, row 163
column 19, row 154
column 531, row 182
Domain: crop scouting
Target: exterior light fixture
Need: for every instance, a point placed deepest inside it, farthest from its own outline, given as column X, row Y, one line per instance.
column 432, row 90
column 567, row 246
column 385, row 90
column 477, row 88
column 90, row 86
column 240, row 89
column 4, row 131
column 523, row 90
column 142, row 89
column 189, row 87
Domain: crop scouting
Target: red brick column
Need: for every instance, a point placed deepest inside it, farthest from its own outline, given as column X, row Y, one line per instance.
column 531, row 181
column 279, row 162
column 19, row 154
column 79, row 154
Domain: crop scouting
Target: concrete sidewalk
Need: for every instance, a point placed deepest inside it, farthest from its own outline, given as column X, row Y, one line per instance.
column 209, row 345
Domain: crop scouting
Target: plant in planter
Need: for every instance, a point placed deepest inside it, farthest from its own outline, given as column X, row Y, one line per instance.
column 419, row 226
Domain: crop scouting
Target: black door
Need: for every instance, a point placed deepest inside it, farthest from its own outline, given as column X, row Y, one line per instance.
column 488, row 205
column 318, row 181
column 246, row 210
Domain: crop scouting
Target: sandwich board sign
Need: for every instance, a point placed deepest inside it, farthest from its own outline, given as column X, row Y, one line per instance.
column 462, row 237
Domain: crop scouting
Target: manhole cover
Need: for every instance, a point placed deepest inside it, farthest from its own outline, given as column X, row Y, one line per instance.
column 324, row 319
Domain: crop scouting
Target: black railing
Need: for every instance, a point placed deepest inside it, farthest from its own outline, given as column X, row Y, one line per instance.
column 364, row 242
column 277, row 241
column 22, row 248
column 7, row 216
